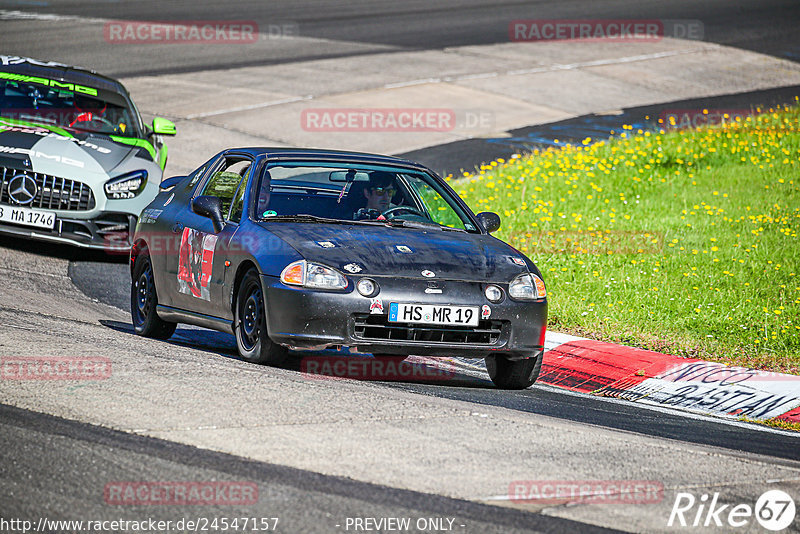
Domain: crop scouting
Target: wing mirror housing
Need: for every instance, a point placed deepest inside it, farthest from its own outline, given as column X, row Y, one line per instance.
column 171, row 182
column 211, row 207
column 490, row 221
column 162, row 126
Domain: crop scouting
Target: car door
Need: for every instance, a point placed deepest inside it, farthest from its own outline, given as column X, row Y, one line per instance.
column 229, row 248
column 197, row 267
column 177, row 212
column 162, row 240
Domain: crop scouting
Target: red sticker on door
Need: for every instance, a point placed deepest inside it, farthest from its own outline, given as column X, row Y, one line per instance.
column 195, row 261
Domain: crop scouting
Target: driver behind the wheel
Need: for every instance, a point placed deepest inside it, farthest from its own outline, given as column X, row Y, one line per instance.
column 92, row 110
column 378, row 192
column 87, row 109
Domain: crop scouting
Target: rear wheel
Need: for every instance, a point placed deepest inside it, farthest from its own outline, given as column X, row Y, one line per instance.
column 144, row 300
column 250, row 324
column 514, row 374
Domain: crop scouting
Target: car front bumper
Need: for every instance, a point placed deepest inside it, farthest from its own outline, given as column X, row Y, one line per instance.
column 302, row 318
column 107, row 231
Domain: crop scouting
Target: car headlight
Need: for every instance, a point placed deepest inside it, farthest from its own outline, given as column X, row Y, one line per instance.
column 308, row 274
column 126, row 186
column 527, row 287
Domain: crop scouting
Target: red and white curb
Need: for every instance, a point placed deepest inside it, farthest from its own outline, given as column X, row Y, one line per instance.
column 694, row 385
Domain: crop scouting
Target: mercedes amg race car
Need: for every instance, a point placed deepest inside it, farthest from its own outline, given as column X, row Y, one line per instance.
column 308, row 249
column 77, row 164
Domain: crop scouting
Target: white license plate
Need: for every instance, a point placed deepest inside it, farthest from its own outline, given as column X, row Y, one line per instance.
column 27, row 216
column 433, row 314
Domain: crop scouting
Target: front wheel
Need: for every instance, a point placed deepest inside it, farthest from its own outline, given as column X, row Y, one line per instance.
column 250, row 325
column 514, row 374
column 144, row 300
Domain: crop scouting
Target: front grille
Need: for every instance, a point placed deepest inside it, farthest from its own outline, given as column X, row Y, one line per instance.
column 378, row 327
column 53, row 193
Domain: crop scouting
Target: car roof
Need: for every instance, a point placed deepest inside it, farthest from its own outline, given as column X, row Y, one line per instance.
column 60, row 72
column 283, row 153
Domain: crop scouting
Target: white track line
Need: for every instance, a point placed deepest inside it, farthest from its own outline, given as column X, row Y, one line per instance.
column 549, row 68
column 246, row 108
column 6, row 14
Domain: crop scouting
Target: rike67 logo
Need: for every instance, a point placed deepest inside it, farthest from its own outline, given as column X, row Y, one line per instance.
column 774, row 510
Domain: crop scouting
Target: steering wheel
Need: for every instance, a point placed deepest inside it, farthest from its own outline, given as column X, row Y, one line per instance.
column 390, row 213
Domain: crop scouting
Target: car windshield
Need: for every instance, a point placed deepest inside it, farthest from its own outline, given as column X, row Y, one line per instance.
column 363, row 193
column 35, row 102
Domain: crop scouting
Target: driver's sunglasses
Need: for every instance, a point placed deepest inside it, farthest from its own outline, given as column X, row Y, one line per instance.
column 384, row 190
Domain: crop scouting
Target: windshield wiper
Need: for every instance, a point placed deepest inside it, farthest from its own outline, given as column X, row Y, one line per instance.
column 402, row 223
column 399, row 223
column 301, row 217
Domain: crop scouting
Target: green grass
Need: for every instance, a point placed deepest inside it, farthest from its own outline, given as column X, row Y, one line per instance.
column 774, row 423
column 680, row 242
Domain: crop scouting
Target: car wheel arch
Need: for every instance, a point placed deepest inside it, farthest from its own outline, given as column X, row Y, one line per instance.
column 243, row 269
column 138, row 248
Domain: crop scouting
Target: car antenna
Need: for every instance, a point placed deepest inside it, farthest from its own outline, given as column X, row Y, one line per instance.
column 348, row 181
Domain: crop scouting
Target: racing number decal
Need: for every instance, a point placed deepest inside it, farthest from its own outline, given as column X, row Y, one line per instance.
column 195, row 261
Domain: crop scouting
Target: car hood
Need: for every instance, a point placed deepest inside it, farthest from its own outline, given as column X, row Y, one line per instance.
column 403, row 252
column 55, row 151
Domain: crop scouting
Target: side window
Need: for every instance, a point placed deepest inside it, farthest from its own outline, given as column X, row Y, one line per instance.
column 438, row 209
column 224, row 182
column 238, row 200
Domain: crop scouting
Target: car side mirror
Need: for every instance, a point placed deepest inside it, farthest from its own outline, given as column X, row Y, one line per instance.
column 490, row 221
column 211, row 207
column 170, row 182
column 162, row 126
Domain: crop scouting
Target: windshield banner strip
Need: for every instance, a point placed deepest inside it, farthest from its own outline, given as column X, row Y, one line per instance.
column 55, row 84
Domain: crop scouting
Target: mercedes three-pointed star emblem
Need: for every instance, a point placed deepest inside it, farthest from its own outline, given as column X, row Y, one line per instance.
column 22, row 189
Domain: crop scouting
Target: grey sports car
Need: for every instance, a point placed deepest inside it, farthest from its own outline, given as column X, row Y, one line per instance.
column 77, row 164
column 310, row 249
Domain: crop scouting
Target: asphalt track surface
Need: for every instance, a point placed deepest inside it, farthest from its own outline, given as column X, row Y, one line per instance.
column 107, row 280
column 766, row 26
column 50, row 460
column 86, row 273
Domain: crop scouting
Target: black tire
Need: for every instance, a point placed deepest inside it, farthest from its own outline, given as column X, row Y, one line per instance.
column 514, row 374
column 144, row 300
column 250, row 325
